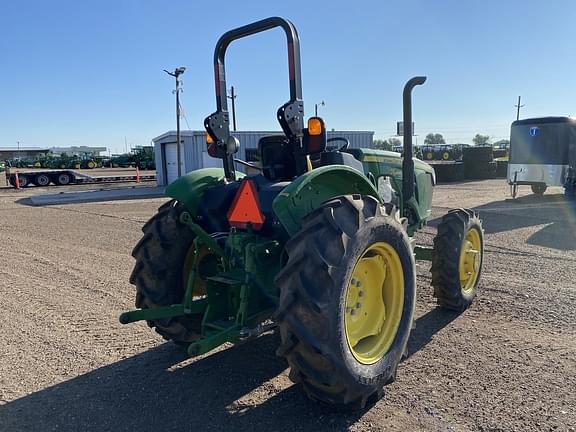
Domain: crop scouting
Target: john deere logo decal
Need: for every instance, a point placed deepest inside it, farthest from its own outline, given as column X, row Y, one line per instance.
column 534, row 131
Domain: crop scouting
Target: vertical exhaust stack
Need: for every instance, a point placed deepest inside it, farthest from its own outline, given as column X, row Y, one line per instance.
column 408, row 162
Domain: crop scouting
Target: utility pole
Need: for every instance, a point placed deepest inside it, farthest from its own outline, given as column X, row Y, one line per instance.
column 233, row 97
column 316, row 108
column 18, row 149
column 518, row 106
column 176, row 74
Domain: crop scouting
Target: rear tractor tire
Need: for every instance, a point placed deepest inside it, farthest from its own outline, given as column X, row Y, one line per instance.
column 457, row 259
column 347, row 296
column 161, row 272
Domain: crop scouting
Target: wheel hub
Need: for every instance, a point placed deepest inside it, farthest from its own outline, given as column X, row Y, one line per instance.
column 470, row 260
column 374, row 301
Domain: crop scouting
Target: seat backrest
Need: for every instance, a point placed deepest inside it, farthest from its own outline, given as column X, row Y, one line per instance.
column 277, row 158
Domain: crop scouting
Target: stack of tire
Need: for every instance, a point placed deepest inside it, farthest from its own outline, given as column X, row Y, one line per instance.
column 501, row 158
column 479, row 163
column 449, row 172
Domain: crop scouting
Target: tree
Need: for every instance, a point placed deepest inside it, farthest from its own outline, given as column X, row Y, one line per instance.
column 433, row 138
column 388, row 144
column 481, row 140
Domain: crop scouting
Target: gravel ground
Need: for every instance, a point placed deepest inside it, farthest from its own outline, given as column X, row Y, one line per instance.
column 66, row 364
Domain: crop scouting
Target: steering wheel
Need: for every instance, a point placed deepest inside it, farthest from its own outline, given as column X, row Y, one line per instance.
column 344, row 147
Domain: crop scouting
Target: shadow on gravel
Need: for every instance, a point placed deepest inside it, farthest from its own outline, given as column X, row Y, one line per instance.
column 554, row 211
column 156, row 391
column 427, row 326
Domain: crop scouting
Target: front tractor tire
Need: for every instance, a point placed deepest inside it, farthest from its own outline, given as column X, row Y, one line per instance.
column 347, row 296
column 159, row 273
column 457, row 259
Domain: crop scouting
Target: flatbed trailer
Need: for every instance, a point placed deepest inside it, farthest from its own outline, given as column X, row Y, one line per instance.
column 63, row 177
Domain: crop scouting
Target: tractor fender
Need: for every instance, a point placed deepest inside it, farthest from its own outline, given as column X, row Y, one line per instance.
column 189, row 188
column 309, row 191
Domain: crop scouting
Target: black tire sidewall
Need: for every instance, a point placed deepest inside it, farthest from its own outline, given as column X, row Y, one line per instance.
column 68, row 176
column 39, row 176
column 371, row 232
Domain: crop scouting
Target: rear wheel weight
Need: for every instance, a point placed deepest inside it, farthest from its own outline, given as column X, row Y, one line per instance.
column 336, row 361
column 457, row 259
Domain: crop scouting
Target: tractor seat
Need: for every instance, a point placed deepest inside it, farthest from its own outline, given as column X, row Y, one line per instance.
column 277, row 158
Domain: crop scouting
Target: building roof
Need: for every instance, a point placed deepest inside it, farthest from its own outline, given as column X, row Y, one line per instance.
column 24, row 149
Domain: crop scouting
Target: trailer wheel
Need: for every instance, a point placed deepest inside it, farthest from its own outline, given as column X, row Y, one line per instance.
column 539, row 188
column 24, row 180
column 41, row 180
column 64, row 179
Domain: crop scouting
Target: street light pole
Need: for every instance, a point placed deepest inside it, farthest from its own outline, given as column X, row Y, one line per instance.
column 518, row 106
column 233, row 97
column 176, row 74
column 316, row 108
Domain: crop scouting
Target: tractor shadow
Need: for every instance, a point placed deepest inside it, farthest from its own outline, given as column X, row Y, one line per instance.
column 160, row 390
column 552, row 210
column 427, row 326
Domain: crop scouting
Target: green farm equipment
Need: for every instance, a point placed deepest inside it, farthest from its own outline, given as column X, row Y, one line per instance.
column 318, row 244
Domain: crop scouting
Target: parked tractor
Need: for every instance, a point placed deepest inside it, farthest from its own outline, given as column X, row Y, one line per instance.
column 319, row 243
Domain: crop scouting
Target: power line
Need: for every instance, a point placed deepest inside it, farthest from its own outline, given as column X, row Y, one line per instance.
column 183, row 113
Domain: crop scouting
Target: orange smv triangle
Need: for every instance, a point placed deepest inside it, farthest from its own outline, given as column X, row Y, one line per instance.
column 245, row 210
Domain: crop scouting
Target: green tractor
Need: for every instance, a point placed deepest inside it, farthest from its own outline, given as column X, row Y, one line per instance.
column 318, row 244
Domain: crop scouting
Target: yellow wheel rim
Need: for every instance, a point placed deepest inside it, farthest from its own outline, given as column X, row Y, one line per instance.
column 429, row 155
column 199, row 283
column 91, row 164
column 470, row 260
column 374, row 303
column 446, row 156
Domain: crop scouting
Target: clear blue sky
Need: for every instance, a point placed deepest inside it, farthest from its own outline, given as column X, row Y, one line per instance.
column 90, row 73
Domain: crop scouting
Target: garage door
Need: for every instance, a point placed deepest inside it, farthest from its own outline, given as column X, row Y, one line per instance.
column 171, row 154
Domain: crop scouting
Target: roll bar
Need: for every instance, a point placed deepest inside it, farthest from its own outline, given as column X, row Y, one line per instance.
column 290, row 115
column 408, row 162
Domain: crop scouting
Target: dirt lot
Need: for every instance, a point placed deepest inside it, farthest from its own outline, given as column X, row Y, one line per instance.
column 66, row 364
